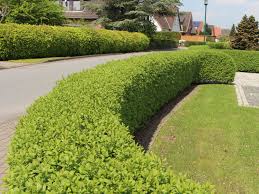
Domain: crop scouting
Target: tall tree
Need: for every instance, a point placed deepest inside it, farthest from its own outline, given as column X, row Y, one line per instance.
column 232, row 31
column 35, row 12
column 131, row 15
column 247, row 34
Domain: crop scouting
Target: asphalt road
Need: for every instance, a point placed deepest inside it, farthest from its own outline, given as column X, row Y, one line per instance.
column 19, row 87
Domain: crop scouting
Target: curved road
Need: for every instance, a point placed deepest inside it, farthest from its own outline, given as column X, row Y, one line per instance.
column 19, row 87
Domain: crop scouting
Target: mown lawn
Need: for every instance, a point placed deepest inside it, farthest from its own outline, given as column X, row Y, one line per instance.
column 211, row 138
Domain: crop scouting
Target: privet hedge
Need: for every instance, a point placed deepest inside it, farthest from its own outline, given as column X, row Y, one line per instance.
column 28, row 41
column 77, row 139
column 165, row 40
column 246, row 61
column 219, row 45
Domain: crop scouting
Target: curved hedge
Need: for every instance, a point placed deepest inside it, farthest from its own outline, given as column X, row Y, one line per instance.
column 77, row 139
column 28, row 41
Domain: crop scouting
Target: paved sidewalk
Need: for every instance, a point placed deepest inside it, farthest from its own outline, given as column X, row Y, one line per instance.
column 247, row 89
column 6, row 131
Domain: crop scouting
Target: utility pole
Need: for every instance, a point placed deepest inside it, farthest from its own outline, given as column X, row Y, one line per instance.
column 205, row 22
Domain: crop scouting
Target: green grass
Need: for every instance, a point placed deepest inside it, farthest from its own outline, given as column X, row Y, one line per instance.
column 199, row 47
column 36, row 60
column 211, row 138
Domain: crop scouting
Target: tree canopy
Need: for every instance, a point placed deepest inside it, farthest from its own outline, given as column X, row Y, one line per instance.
column 247, row 34
column 33, row 12
column 132, row 15
column 233, row 31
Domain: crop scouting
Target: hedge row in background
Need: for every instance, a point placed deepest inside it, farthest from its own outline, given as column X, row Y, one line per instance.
column 193, row 43
column 77, row 139
column 165, row 40
column 28, row 41
column 219, row 45
column 246, row 61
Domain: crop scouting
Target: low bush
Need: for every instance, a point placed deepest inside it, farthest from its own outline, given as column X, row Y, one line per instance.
column 221, row 70
column 28, row 41
column 165, row 40
column 77, row 139
column 246, row 61
column 193, row 43
column 219, row 45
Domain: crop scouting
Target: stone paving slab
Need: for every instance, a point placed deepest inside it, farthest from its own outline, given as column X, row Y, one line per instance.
column 252, row 95
column 247, row 89
column 7, row 130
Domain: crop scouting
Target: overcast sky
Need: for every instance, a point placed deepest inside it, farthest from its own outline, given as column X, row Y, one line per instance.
column 222, row 12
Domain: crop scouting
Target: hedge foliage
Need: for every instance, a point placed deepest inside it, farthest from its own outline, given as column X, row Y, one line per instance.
column 193, row 43
column 28, row 41
column 165, row 40
column 246, row 61
column 221, row 70
column 219, row 45
column 78, row 138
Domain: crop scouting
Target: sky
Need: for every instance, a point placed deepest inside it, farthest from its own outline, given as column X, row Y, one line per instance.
column 223, row 13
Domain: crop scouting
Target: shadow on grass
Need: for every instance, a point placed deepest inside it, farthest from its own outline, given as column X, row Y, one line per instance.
column 146, row 135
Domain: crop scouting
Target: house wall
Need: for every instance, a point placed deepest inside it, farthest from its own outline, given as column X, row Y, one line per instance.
column 192, row 38
column 74, row 5
column 158, row 28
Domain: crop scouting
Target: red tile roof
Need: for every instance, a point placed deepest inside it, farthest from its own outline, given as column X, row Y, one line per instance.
column 186, row 21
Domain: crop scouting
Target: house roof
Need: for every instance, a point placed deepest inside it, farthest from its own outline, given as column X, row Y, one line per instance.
column 165, row 22
column 81, row 15
column 197, row 23
column 186, row 20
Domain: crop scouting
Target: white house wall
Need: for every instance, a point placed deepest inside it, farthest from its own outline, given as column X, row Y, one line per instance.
column 71, row 5
column 158, row 28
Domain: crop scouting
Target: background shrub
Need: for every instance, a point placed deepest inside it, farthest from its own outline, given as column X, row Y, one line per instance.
column 193, row 43
column 246, row 61
column 219, row 45
column 28, row 41
column 165, row 40
column 77, row 139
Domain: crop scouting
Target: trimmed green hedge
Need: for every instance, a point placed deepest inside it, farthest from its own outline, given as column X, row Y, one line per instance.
column 77, row 139
column 216, row 68
column 193, row 43
column 219, row 45
column 246, row 61
column 165, row 40
column 28, row 41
